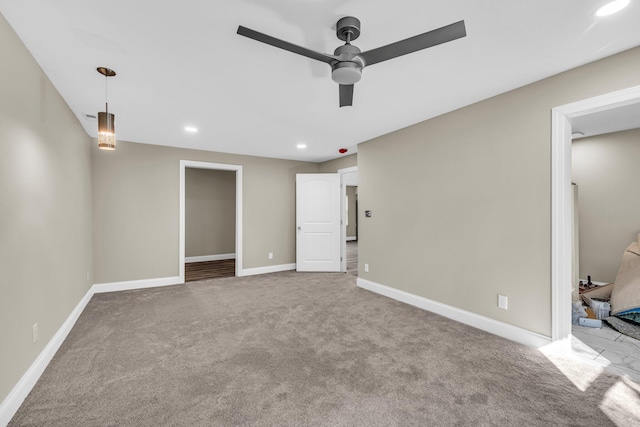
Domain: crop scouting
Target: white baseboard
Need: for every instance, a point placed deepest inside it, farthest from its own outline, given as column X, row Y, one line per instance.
column 349, row 239
column 16, row 396
column 495, row 327
column 268, row 269
column 136, row 284
column 204, row 258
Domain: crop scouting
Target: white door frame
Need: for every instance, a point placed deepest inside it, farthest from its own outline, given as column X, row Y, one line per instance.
column 562, row 199
column 343, row 217
column 184, row 164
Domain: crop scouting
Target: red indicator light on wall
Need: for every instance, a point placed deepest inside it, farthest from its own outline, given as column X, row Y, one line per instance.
column 342, row 150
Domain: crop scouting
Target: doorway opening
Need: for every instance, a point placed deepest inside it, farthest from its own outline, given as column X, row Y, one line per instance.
column 228, row 203
column 210, row 223
column 562, row 213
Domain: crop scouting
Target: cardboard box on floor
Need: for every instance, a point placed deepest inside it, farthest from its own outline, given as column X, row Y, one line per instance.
column 597, row 300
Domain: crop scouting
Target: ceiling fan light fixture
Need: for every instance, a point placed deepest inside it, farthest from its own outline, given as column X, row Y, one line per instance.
column 612, row 7
column 346, row 73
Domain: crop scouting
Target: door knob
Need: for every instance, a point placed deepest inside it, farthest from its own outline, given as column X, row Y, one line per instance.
column 299, row 228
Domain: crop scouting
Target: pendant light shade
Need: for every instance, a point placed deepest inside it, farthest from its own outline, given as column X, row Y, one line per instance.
column 106, row 120
column 106, row 131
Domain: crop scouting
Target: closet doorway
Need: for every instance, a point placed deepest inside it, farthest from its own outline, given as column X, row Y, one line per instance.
column 210, row 220
column 564, row 121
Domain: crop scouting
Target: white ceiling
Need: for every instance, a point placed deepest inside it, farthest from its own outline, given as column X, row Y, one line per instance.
column 614, row 120
column 181, row 63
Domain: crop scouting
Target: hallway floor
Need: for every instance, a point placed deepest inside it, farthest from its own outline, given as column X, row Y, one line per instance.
column 609, row 348
column 352, row 257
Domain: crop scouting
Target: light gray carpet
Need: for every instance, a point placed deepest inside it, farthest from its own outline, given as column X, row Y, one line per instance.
column 300, row 349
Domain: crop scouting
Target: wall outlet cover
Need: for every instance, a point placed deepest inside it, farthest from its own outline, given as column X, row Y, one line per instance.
column 503, row 302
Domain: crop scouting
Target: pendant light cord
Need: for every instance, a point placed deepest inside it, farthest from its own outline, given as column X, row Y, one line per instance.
column 106, row 95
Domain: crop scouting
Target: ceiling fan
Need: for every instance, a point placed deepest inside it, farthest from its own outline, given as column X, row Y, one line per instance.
column 348, row 61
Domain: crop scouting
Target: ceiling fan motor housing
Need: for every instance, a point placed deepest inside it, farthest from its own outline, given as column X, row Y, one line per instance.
column 348, row 69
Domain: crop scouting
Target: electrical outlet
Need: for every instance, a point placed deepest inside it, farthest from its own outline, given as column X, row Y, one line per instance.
column 366, row 268
column 503, row 302
column 270, row 255
column 35, row 332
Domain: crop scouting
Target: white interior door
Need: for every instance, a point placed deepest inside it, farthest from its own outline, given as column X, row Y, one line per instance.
column 318, row 222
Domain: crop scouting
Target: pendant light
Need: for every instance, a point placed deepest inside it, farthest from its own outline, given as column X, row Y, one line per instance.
column 106, row 120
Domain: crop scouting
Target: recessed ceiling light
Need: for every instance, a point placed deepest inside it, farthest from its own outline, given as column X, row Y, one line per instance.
column 612, row 7
column 301, row 146
column 191, row 129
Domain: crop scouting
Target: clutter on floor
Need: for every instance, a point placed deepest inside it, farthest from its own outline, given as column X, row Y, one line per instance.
column 616, row 304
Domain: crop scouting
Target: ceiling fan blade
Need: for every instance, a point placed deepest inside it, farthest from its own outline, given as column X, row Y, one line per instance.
column 264, row 38
column 413, row 44
column 346, row 95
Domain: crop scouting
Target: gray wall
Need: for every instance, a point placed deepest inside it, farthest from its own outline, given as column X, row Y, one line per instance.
column 45, row 209
column 210, row 212
column 462, row 203
column 343, row 162
column 606, row 169
column 136, row 209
